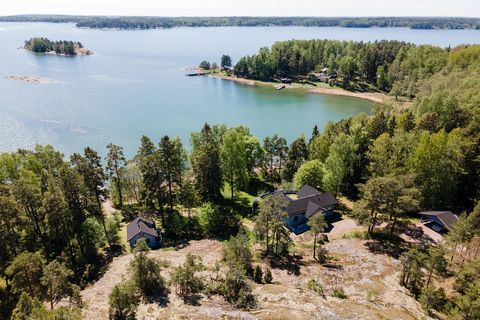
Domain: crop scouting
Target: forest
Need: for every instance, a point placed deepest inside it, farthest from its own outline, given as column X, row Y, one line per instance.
column 43, row 45
column 389, row 66
column 57, row 239
column 101, row 22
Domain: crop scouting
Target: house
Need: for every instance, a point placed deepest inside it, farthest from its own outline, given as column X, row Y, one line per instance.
column 143, row 228
column 440, row 221
column 309, row 201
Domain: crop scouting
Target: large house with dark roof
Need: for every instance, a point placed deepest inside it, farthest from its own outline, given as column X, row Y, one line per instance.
column 302, row 205
column 308, row 202
column 143, row 228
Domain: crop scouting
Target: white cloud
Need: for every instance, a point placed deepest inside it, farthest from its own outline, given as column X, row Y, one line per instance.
column 245, row 7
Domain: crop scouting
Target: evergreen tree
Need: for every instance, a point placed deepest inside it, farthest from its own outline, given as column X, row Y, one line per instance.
column 206, row 165
column 115, row 162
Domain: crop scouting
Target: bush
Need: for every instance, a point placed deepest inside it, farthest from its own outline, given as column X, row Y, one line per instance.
column 312, row 284
column 113, row 228
column 432, row 298
column 237, row 251
column 141, row 246
column 257, row 274
column 122, row 301
column 184, row 279
column 236, row 290
column 146, row 275
column 211, row 219
column 339, row 293
column 267, row 277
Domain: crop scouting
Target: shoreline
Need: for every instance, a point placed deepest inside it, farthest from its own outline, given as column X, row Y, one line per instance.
column 375, row 97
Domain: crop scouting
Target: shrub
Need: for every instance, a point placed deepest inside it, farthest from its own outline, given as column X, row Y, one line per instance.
column 122, row 301
column 339, row 293
column 211, row 219
column 236, row 290
column 312, row 284
column 432, row 298
column 184, row 279
column 141, row 246
column 267, row 277
column 237, row 251
column 146, row 275
column 113, row 228
column 257, row 274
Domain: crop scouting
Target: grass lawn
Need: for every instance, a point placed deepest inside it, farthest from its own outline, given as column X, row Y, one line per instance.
column 123, row 237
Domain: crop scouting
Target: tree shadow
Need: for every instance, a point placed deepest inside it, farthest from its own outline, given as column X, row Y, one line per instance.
column 160, row 298
column 291, row 263
column 382, row 242
column 193, row 300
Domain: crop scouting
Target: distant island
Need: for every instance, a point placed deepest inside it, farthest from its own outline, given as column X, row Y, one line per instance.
column 62, row 47
column 103, row 22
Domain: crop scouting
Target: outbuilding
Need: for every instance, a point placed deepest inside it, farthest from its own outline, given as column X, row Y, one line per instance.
column 440, row 221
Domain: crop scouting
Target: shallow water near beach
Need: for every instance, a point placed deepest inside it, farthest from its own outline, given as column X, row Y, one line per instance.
column 135, row 84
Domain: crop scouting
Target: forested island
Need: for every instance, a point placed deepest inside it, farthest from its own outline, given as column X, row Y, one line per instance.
column 102, row 22
column 62, row 47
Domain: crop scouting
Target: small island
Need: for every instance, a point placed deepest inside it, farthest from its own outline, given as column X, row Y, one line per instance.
column 62, row 47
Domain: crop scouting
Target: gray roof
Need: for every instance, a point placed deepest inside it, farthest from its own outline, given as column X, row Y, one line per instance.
column 307, row 191
column 141, row 225
column 310, row 204
column 447, row 218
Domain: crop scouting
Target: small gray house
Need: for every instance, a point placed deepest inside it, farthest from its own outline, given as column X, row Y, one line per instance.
column 309, row 201
column 440, row 221
column 143, row 228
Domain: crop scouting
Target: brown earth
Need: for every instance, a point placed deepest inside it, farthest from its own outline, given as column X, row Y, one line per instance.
column 370, row 281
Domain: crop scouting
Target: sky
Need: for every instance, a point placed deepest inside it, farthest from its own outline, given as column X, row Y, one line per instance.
column 456, row 8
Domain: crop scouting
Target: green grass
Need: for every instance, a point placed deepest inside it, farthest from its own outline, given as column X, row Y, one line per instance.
column 123, row 237
column 356, row 234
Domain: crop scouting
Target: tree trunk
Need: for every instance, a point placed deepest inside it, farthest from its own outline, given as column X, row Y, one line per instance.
column 477, row 250
column 170, row 196
column 119, row 187
column 231, row 187
column 453, row 252
column 392, row 229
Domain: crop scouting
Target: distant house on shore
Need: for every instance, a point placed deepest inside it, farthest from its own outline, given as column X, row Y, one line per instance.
column 303, row 204
column 143, row 228
column 440, row 221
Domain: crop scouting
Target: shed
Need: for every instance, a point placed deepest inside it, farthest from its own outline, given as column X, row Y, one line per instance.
column 439, row 220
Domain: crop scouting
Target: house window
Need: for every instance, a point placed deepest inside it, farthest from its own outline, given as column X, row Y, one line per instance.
column 295, row 219
column 148, row 240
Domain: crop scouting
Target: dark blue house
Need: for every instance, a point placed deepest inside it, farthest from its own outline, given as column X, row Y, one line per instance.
column 143, row 228
column 308, row 202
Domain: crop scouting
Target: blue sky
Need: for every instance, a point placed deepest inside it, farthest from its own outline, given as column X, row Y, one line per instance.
column 469, row 8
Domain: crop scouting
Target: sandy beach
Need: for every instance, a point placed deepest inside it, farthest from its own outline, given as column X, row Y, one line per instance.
column 376, row 97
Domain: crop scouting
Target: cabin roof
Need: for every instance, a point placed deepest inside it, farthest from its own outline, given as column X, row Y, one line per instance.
column 446, row 218
column 141, row 225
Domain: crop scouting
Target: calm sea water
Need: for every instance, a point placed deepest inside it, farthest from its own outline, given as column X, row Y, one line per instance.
column 134, row 84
